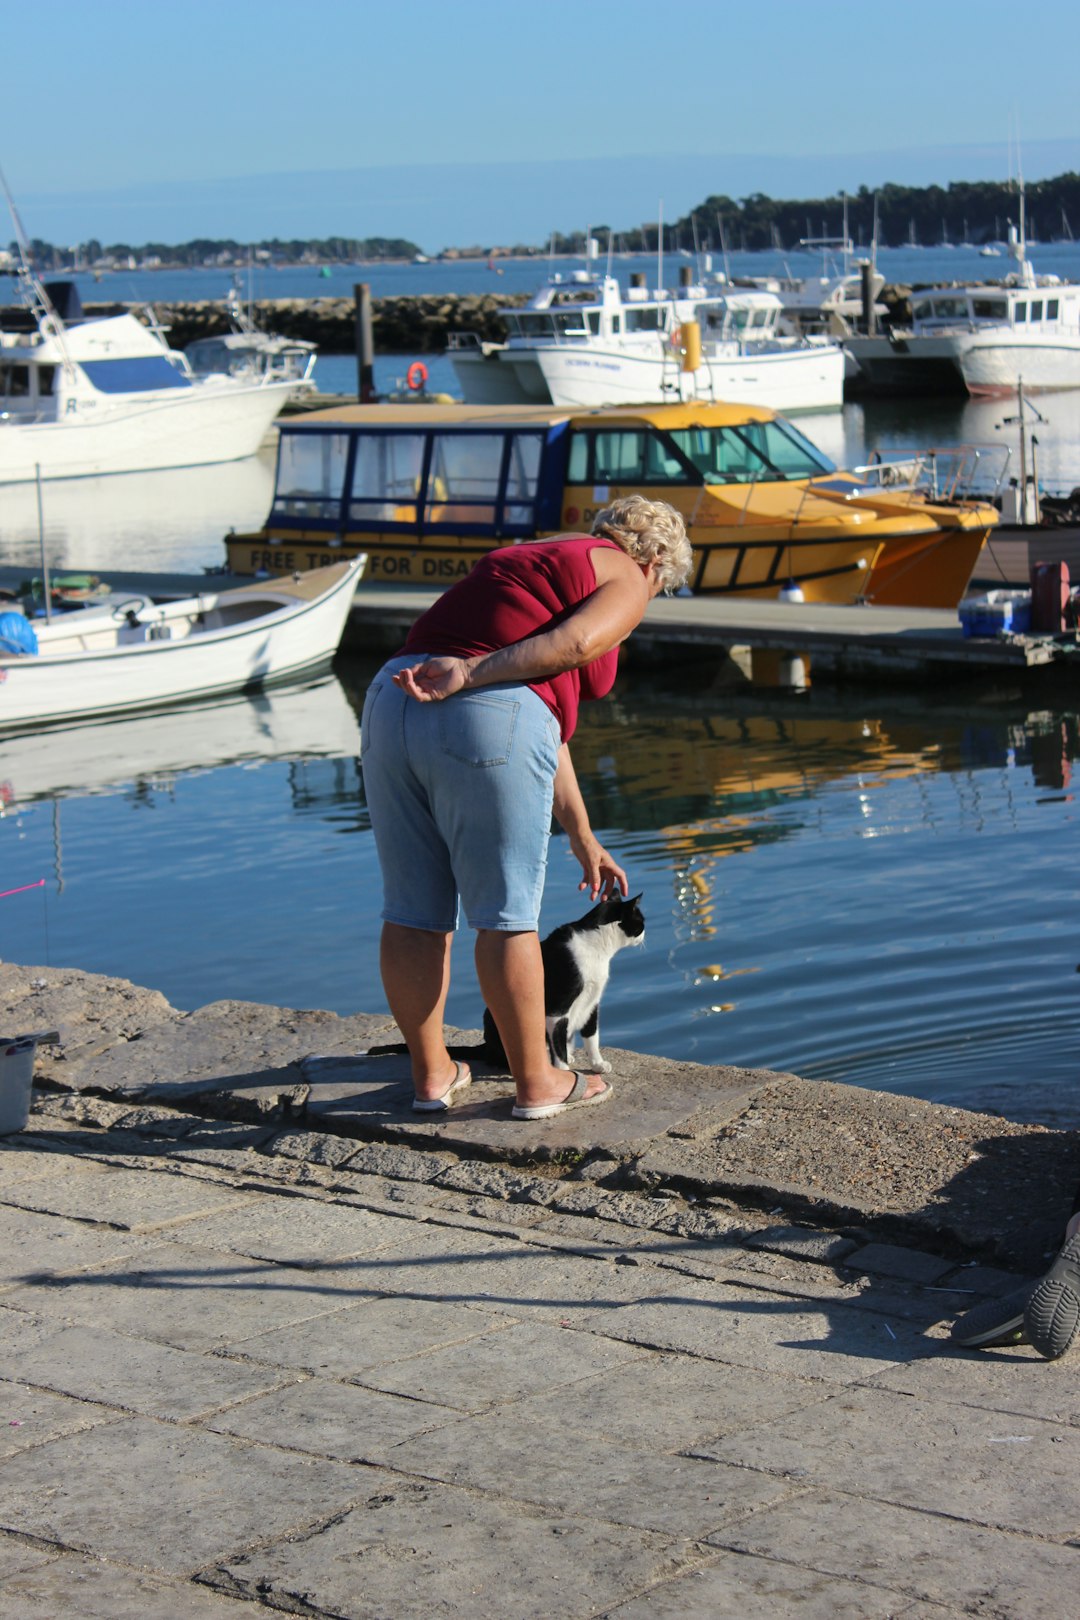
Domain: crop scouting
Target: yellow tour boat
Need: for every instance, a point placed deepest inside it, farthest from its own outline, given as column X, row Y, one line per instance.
column 426, row 491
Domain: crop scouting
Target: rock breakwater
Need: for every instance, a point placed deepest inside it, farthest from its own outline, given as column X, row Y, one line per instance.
column 419, row 324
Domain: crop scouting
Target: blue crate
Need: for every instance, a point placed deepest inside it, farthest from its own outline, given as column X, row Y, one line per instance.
column 996, row 612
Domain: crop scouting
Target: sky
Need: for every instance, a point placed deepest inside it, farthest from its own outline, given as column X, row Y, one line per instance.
column 490, row 121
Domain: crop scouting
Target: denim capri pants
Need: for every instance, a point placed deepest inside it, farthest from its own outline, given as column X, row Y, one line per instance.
column 460, row 793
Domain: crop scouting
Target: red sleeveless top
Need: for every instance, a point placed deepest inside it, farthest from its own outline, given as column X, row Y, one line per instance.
column 517, row 592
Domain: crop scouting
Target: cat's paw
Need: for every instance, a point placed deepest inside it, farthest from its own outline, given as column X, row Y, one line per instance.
column 599, row 1065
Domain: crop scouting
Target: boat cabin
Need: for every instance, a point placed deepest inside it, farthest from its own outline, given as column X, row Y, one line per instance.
column 1046, row 309
column 427, row 491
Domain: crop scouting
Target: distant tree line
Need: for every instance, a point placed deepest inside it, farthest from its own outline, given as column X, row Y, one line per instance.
column 964, row 211
column 975, row 211
column 218, row 251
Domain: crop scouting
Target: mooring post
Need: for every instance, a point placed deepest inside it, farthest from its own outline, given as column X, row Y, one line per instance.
column 869, row 316
column 365, row 345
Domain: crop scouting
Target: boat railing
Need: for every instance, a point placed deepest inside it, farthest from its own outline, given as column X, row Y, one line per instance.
column 940, row 473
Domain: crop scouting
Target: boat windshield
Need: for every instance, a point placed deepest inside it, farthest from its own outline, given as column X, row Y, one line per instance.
column 743, row 454
column 553, row 323
column 750, row 451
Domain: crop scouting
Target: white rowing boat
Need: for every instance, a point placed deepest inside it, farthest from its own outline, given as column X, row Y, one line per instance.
column 143, row 654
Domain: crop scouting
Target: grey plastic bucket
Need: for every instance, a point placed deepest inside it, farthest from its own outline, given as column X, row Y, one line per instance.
column 16, row 1081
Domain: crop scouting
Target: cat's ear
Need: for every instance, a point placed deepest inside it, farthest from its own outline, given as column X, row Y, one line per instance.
column 634, row 899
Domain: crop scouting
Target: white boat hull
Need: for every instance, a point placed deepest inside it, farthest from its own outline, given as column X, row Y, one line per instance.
column 994, row 366
column 206, row 423
column 787, row 380
column 230, row 641
column 485, row 380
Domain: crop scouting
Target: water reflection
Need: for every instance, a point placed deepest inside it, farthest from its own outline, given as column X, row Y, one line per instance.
column 174, row 520
column 144, row 754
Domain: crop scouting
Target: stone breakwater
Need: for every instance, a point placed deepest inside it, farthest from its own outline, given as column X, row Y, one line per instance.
column 414, row 325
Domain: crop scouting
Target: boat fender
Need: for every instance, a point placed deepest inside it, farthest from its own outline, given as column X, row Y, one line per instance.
column 416, row 376
column 17, row 635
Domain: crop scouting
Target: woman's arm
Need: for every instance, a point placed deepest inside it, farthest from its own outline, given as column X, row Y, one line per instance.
column 597, row 625
column 601, row 874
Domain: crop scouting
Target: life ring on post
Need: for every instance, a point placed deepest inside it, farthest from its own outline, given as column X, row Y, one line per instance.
column 416, row 376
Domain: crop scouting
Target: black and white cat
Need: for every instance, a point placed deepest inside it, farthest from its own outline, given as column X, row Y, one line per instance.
column 577, row 961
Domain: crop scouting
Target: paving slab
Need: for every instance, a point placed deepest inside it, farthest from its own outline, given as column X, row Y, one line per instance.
column 195, row 1299
column 929, row 1454
column 758, row 1589
column 294, row 1231
column 92, row 1590
column 931, row 1556
column 1010, row 1380
column 368, row 1335
column 500, row 1366
column 178, row 1498
column 754, row 1327
column 328, row 1419
column 121, row 1198
column 95, row 1364
column 664, row 1402
column 39, row 1246
column 417, row 1550
column 31, row 1417
column 594, row 1479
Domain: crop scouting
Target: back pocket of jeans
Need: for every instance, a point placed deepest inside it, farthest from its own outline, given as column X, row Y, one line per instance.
column 479, row 731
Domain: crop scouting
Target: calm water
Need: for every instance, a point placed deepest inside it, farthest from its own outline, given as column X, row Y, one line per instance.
column 837, row 886
column 905, row 266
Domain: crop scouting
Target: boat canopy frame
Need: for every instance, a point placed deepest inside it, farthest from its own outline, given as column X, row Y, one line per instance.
column 520, row 499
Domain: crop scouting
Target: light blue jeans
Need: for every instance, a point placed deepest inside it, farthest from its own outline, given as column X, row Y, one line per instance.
column 460, row 794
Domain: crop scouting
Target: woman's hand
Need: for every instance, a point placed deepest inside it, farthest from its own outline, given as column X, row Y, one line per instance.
column 434, row 678
column 603, row 876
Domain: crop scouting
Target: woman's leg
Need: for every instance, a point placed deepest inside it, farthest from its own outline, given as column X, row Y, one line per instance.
column 511, row 973
column 415, row 968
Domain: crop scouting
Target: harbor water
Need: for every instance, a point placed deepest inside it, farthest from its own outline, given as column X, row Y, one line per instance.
column 858, row 887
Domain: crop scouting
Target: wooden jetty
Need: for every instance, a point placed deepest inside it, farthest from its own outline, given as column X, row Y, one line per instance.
column 838, row 643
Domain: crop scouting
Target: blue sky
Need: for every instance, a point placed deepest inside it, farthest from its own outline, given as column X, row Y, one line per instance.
column 484, row 120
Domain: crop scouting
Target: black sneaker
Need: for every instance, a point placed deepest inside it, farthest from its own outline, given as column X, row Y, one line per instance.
column 993, row 1322
column 1052, row 1316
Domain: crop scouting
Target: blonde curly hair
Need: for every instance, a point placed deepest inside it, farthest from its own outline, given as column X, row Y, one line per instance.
column 648, row 531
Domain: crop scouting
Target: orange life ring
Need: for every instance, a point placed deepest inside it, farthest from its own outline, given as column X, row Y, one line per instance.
column 675, row 339
column 416, row 376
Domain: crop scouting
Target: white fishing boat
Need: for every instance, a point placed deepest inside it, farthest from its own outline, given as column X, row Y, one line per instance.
column 248, row 352
column 582, row 343
column 144, row 654
column 981, row 338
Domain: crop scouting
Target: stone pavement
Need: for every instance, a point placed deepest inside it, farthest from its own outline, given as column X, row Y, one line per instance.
column 269, row 1344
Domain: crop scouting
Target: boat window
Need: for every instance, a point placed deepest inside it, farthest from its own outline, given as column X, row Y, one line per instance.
column 46, row 377
column 922, row 309
column 1051, row 309
column 763, row 317
column 618, row 457
column 990, row 309
column 1036, row 309
column 592, row 316
column 1019, row 312
column 751, row 451
column 646, row 319
column 616, row 323
column 571, row 323
column 530, row 325
column 14, row 381
column 950, row 309
column 311, row 474
column 142, row 373
column 465, row 485
column 386, row 477
column 629, row 457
